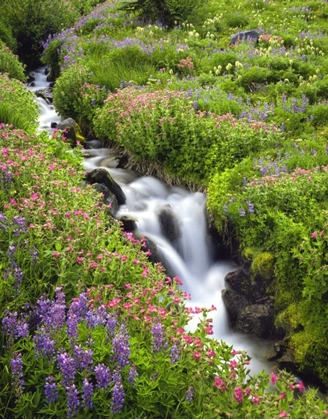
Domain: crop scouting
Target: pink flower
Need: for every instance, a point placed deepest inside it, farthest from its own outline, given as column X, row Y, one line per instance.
column 218, row 383
column 238, row 395
column 256, row 400
column 79, row 260
column 34, row 196
column 283, row 414
column 273, row 378
column 282, row 396
column 313, row 235
column 301, row 386
column 55, row 254
column 196, row 355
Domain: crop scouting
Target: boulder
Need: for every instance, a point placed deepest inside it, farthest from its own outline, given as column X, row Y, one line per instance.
column 240, row 282
column 101, row 176
column 169, row 223
column 129, row 223
column 101, row 188
column 46, row 94
column 73, row 131
column 257, row 319
column 251, row 34
column 111, row 201
column 234, row 302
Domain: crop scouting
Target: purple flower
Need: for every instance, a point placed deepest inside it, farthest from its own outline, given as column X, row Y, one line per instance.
column 79, row 307
column 51, row 390
column 20, row 222
column 133, row 374
column 72, row 401
column 241, row 212
column 111, row 324
column 87, row 390
column 103, row 376
column 250, row 207
column 158, row 337
column 83, row 358
column 44, row 345
column 174, row 356
column 121, row 347
column 12, row 327
column 66, row 366
column 17, row 374
column 190, row 394
column 118, row 395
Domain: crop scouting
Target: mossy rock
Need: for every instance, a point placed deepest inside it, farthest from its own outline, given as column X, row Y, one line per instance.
column 263, row 265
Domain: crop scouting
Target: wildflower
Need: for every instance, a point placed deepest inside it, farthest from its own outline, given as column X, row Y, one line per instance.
column 238, row 395
column 283, row 414
column 241, row 212
column 313, row 235
column 17, row 374
column 103, row 376
column 273, row 378
column 66, row 366
column 174, row 356
column 256, row 400
column 301, row 386
column 83, row 358
column 87, row 390
column 190, row 394
column 133, row 374
column 44, row 345
column 121, row 347
column 51, row 390
column 196, row 355
column 218, row 383
column 72, row 401
column 118, row 395
column 158, row 337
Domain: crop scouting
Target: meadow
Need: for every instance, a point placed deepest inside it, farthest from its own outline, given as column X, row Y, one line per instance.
column 92, row 329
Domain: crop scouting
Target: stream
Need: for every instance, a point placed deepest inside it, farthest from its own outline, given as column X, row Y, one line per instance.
column 190, row 256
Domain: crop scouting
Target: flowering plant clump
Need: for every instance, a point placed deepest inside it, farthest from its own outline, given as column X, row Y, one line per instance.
column 10, row 64
column 165, row 126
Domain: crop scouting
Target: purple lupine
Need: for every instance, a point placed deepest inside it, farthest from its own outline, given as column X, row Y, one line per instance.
column 17, row 374
column 79, row 307
column 190, row 394
column 158, row 337
column 87, row 393
column 20, row 223
column 250, row 207
column 3, row 221
column 241, row 212
column 118, row 395
column 121, row 347
column 174, row 356
column 66, row 366
column 18, row 277
column 111, row 324
column 34, row 254
column 51, row 390
column 72, row 401
column 44, row 345
column 95, row 318
column 72, row 327
column 83, row 358
column 103, row 376
column 133, row 374
column 12, row 327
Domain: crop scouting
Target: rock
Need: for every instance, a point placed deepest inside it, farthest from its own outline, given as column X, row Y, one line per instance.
column 111, row 201
column 257, row 319
column 53, row 125
column 169, row 223
column 245, row 35
column 93, row 144
column 46, row 94
column 102, row 176
column 109, row 162
column 101, row 188
column 129, row 223
column 154, row 255
column 239, row 281
column 73, row 131
column 234, row 302
column 287, row 362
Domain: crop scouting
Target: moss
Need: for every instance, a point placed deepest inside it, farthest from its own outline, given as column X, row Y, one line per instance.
column 263, row 265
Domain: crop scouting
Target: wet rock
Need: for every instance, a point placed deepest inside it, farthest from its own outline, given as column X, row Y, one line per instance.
column 111, row 202
column 257, row 319
column 101, row 176
column 46, row 94
column 169, row 223
column 287, row 362
column 101, row 188
column 129, row 223
column 53, row 125
column 154, row 255
column 93, row 144
column 73, row 130
column 234, row 302
column 245, row 35
column 240, row 281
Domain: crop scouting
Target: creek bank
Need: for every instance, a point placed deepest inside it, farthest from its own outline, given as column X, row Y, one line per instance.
column 250, row 308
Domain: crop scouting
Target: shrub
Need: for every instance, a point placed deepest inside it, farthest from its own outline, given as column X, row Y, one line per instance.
column 9, row 64
column 263, row 265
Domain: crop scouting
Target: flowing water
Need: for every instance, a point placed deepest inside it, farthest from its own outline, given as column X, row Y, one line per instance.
column 189, row 257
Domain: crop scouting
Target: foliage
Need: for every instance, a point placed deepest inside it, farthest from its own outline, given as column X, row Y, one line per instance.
column 9, row 64
column 17, row 105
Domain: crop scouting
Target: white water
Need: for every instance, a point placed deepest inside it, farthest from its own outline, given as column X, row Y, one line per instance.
column 189, row 258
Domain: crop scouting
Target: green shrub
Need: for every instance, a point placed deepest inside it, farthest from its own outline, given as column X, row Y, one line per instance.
column 9, row 64
column 263, row 265
column 18, row 105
